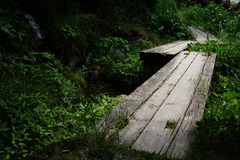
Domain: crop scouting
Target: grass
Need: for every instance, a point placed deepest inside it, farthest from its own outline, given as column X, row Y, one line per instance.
column 217, row 136
column 122, row 121
column 171, row 124
column 93, row 145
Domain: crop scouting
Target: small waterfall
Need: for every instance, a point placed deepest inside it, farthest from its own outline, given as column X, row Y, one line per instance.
column 35, row 27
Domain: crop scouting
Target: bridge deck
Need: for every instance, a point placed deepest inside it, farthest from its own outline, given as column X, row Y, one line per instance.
column 165, row 122
column 163, row 111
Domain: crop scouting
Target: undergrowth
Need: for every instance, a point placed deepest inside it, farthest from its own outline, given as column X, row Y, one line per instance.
column 41, row 104
column 217, row 137
column 44, row 113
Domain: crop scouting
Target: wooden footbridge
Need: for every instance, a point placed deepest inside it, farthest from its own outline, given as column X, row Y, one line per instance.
column 163, row 111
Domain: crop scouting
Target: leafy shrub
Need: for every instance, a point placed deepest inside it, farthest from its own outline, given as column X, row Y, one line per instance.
column 165, row 19
column 220, row 126
column 214, row 18
column 128, row 72
column 72, row 35
column 210, row 47
column 221, row 123
column 191, row 15
column 166, row 9
column 121, row 60
column 106, row 50
column 39, row 105
column 15, row 32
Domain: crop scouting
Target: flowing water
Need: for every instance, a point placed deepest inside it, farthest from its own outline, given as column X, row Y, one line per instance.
column 35, row 27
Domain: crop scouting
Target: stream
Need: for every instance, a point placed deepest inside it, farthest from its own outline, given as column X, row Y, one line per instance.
column 35, row 27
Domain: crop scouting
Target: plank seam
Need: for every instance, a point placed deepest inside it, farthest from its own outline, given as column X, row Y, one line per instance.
column 166, row 97
column 177, row 129
column 182, row 119
column 164, row 81
column 168, row 50
column 159, row 47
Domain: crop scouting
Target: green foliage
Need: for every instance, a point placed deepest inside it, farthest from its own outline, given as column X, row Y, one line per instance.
column 221, row 123
column 165, row 19
column 228, row 58
column 232, row 25
column 221, row 119
column 68, row 32
column 39, row 105
column 166, row 9
column 71, row 35
column 114, row 43
column 106, row 51
column 219, row 128
column 191, row 15
column 15, row 33
column 128, row 72
column 122, row 121
column 121, row 60
column 7, row 28
column 210, row 47
column 94, row 144
column 125, row 10
column 214, row 18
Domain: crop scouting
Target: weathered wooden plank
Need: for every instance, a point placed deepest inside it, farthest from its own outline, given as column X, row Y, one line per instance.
column 176, row 49
column 142, row 93
column 185, row 136
column 162, row 47
column 188, row 134
column 182, row 142
column 202, row 36
column 207, row 35
column 155, row 58
column 168, row 49
column 142, row 117
column 155, row 135
column 203, row 88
